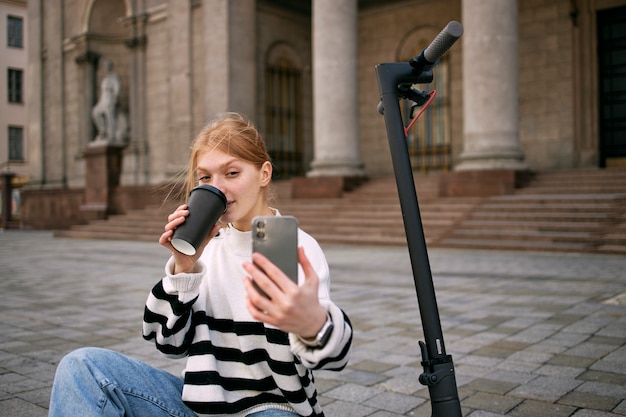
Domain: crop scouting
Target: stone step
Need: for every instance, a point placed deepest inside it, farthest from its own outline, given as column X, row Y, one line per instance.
column 581, row 197
column 593, row 207
column 593, row 181
column 372, row 240
column 570, row 211
column 371, row 212
column 107, row 234
column 598, row 246
column 591, row 237
column 533, row 225
column 555, row 217
column 574, row 187
column 498, row 244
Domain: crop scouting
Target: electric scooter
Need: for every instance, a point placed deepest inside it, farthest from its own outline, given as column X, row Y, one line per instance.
column 395, row 82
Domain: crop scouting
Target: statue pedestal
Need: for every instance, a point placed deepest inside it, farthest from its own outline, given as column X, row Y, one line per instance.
column 103, row 166
column 7, row 198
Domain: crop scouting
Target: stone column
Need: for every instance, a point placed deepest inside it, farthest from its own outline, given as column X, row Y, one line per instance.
column 35, row 94
column 88, row 61
column 335, row 91
column 491, row 162
column 490, row 87
column 243, row 57
column 139, row 149
column 230, row 56
column 180, row 109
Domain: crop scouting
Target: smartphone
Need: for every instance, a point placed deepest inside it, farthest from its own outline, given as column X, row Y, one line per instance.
column 276, row 237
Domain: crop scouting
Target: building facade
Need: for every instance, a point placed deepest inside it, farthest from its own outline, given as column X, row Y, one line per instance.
column 14, row 63
column 13, row 82
column 531, row 85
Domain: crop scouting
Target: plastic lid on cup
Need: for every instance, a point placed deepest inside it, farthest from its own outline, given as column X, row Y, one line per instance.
column 180, row 241
column 214, row 190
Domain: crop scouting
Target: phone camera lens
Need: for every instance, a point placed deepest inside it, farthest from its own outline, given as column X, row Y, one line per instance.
column 260, row 235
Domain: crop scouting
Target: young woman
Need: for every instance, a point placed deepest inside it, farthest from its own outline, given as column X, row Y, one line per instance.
column 247, row 354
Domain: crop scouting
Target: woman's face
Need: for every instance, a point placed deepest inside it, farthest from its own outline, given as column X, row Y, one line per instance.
column 242, row 183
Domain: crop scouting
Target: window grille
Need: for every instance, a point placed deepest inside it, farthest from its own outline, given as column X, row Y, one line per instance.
column 15, row 85
column 16, row 143
column 15, row 32
column 283, row 134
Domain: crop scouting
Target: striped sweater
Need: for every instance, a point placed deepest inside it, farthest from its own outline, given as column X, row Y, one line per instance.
column 235, row 364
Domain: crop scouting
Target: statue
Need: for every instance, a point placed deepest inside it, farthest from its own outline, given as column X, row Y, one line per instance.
column 104, row 113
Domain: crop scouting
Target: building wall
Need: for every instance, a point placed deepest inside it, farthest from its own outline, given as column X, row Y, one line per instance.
column 13, row 114
column 162, row 164
column 381, row 33
column 293, row 30
column 198, row 59
column 547, row 79
column 52, row 57
column 549, row 85
column 546, row 86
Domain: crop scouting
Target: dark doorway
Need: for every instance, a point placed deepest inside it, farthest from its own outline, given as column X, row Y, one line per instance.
column 611, row 24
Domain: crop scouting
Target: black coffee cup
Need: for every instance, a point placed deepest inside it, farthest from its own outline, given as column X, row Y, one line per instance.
column 206, row 205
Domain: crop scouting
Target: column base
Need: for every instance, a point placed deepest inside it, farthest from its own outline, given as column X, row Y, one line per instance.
column 482, row 183
column 498, row 158
column 94, row 211
column 337, row 167
column 323, row 187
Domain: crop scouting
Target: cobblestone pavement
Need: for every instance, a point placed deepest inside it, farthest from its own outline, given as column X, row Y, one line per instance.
column 531, row 334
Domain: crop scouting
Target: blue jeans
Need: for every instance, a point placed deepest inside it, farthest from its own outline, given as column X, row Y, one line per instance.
column 100, row 382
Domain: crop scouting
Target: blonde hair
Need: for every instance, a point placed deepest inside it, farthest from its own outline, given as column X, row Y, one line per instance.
column 231, row 133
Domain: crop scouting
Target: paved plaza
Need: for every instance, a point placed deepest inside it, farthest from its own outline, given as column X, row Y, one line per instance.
column 531, row 334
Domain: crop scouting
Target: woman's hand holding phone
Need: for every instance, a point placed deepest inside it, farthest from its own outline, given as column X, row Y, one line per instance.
column 287, row 306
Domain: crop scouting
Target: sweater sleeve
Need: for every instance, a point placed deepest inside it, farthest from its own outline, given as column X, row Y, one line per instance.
column 335, row 355
column 168, row 310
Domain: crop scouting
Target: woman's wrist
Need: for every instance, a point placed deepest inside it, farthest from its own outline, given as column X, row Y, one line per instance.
column 311, row 333
column 185, row 268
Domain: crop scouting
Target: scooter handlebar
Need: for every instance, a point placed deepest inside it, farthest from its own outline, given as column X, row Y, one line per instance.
column 443, row 41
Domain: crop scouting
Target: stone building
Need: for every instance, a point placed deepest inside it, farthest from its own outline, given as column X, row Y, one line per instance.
column 13, row 121
column 531, row 85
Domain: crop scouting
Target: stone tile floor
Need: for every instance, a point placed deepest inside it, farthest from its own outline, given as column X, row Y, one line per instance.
column 531, row 334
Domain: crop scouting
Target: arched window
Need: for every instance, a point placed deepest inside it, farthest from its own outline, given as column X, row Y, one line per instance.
column 283, row 118
column 429, row 138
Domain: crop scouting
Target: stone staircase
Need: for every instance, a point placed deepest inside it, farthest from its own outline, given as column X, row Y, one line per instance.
column 142, row 225
column 573, row 211
column 371, row 214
